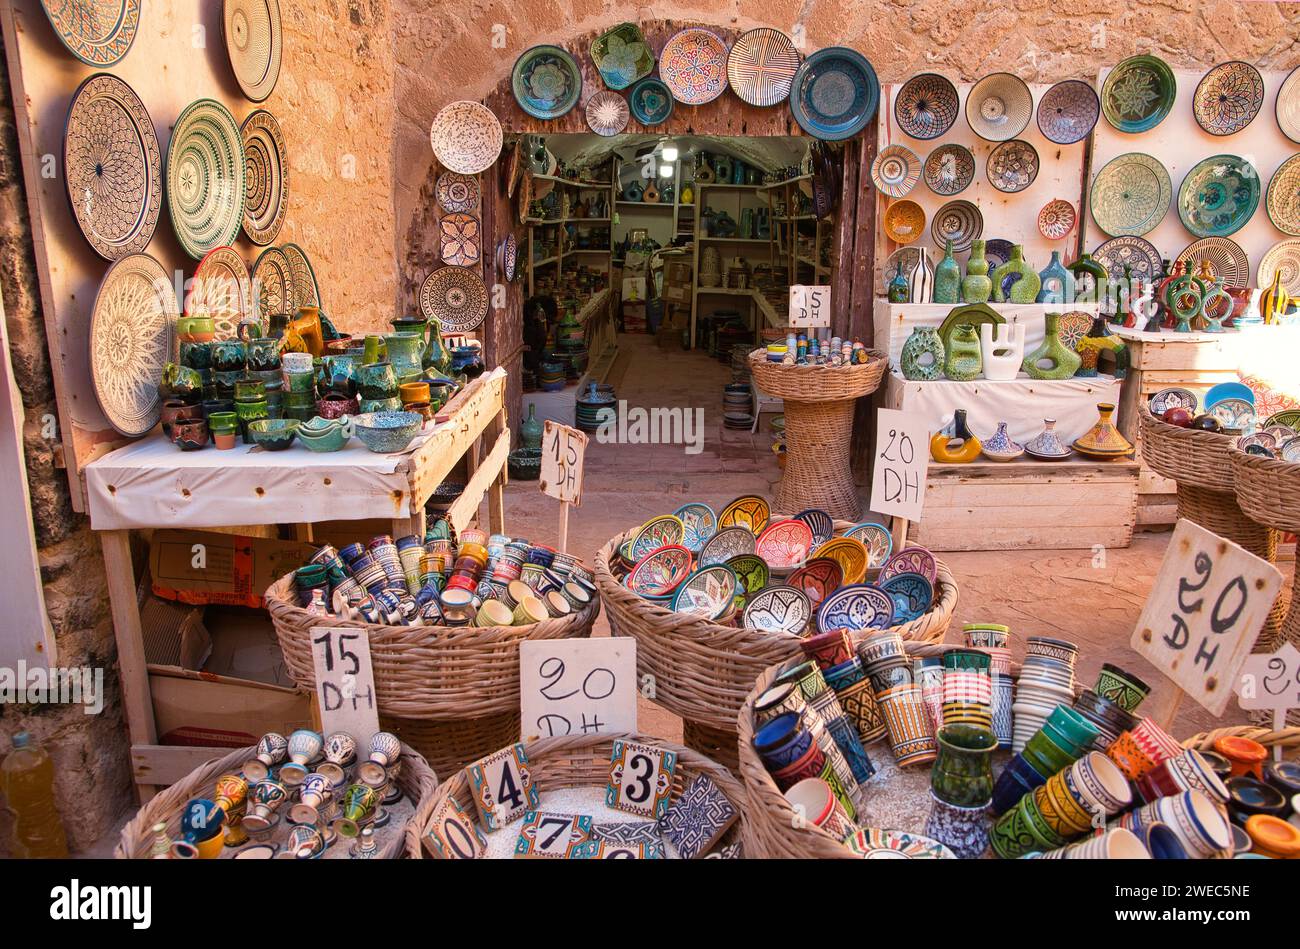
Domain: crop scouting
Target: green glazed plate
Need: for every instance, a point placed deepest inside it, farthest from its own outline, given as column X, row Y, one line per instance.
column 1218, row 196
column 752, row 572
column 1138, row 94
column 622, row 56
column 972, row 313
column 1130, row 195
column 546, row 82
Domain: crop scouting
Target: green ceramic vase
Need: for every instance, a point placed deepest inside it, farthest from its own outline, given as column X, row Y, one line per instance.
column 1063, row 360
column 530, row 430
column 1089, row 278
column 1026, row 287
column 977, row 286
column 898, row 290
column 963, row 361
column 963, row 771
column 947, row 279
column 922, row 357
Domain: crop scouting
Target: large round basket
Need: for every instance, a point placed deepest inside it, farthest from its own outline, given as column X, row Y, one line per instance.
column 701, row 670
column 579, row 761
column 1288, row 739
column 819, row 405
column 416, row 779
column 1268, row 491
column 451, row 693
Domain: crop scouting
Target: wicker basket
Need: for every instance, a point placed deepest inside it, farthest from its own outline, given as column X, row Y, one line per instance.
column 415, row 779
column 574, row 761
column 1288, row 739
column 818, row 383
column 1268, row 491
column 450, row 745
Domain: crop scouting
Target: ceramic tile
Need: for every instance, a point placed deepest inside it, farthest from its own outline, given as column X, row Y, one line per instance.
column 502, row 786
column 640, row 779
column 698, row 818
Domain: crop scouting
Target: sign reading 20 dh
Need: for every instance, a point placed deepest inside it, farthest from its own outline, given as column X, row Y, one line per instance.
column 1204, row 613
column 563, row 449
column 902, row 461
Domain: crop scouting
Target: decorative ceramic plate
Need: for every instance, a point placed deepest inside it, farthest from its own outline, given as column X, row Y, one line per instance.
column 949, row 169
column 818, row 578
column 1228, row 98
column 904, row 221
column 1282, row 258
column 850, row 553
column 466, row 137
column 856, row 607
column 778, row 609
column 1073, row 326
column 1288, row 417
column 876, row 538
column 761, row 66
column 785, row 544
column 1287, row 108
column 1012, row 166
column 752, row 572
column 693, row 64
column 254, row 43
column 728, row 542
column 516, row 169
column 997, row 252
column 1138, row 94
column 926, row 106
column 912, row 595
column 1235, row 414
column 651, row 102
column 457, row 193
column 306, row 292
column 113, row 167
column 273, row 283
column 622, row 56
column 205, row 178
column 877, row 844
column 1290, row 449
column 130, row 341
column 1282, row 200
column 266, row 177
column 97, row 32
column 835, row 94
column 1068, row 111
column 220, row 288
column 1218, row 196
column 699, row 523
column 895, row 170
column 1057, row 219
column 607, row 113
column 911, row 560
column 1130, row 195
column 998, row 107
column 509, row 257
column 660, row 572
column 707, row 592
column 546, row 81
column 957, row 221
column 1166, row 399
column 1226, row 258
column 458, row 237
column 1228, row 390
column 456, row 296
column 525, row 196
column 657, row 532
column 748, row 511
column 820, row 523
column 1137, row 253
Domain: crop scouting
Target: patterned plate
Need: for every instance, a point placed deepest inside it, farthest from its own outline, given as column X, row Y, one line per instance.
column 130, row 340
column 457, row 193
column 266, row 177
column 622, row 56
column 651, row 102
column 699, row 523
column 693, row 64
column 657, row 532
column 911, row 560
column 904, row 221
column 546, row 81
column 1138, row 94
column 876, row 538
column 912, row 594
column 1235, row 414
column 1228, row 98
column 1282, row 200
column 957, row 221
column 850, row 553
column 1130, row 195
column 1137, row 253
column 273, row 284
column 509, row 257
column 1287, row 108
column 1228, row 390
column 835, row 93
column 458, row 238
column 818, row 578
column 896, row 170
column 220, row 288
column 708, row 592
column 455, row 296
column 752, row 572
column 254, row 43
column 856, row 607
column 1288, row 417
column 466, row 137
column 1072, row 327
column 785, row 544
column 877, row 844
column 926, row 106
column 97, row 32
column 306, row 292
column 1218, row 196
column 997, row 252
column 761, row 66
column 607, row 113
column 1226, row 258
column 999, row 106
column 949, row 169
column 728, row 542
column 113, row 167
column 659, row 573
column 1057, row 219
column 205, row 178
column 778, row 609
column 748, row 511
column 1282, row 258
column 821, row 524
column 1012, row 166
column 1068, row 111
column 1166, row 399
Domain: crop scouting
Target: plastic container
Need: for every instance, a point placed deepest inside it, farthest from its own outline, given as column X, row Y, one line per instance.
column 27, row 780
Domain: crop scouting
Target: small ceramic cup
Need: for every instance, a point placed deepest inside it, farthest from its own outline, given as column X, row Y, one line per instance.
column 814, row 803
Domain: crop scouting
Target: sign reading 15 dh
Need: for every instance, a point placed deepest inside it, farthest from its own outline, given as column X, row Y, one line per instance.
column 902, row 461
column 563, row 450
column 810, row 307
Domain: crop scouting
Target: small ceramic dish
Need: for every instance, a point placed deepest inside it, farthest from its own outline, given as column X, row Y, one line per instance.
column 273, row 434
column 385, row 432
column 321, row 434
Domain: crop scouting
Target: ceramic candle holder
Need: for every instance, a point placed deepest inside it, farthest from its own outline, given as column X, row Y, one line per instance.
column 264, row 799
column 305, row 842
column 341, row 749
column 304, row 745
column 358, row 806
column 271, row 749
column 314, row 792
column 230, row 793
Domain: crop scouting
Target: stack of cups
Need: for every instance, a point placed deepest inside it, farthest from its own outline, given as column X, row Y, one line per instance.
column 1110, row 719
column 1064, row 738
column 961, row 788
column 995, row 640
column 1046, row 680
column 967, row 688
column 410, row 552
column 852, row 688
column 787, row 698
column 1068, row 805
column 928, row 674
column 911, row 731
column 849, row 760
column 1201, row 827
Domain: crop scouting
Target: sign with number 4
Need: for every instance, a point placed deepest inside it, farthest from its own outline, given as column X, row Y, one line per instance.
column 640, row 779
column 503, row 787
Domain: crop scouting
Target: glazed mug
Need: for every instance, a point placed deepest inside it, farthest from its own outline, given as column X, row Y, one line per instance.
column 963, row 769
column 1114, row 844
column 1158, row 744
column 1123, row 688
column 810, row 765
column 1201, row 827
column 910, row 732
column 1129, row 756
column 828, row 649
column 1100, row 783
column 1063, row 808
column 815, row 803
column 1185, row 772
column 190, row 434
column 1017, row 779
column 963, row 830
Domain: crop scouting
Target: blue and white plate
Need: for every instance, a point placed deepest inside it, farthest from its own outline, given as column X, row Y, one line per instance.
column 1227, row 390
column 835, row 93
column 857, row 607
column 912, row 594
column 707, row 592
column 820, row 523
column 779, row 609
column 725, row 544
column 699, row 523
column 1235, row 414
column 651, row 102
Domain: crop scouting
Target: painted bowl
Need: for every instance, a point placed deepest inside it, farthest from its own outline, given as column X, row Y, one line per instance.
column 387, row 431
column 273, row 434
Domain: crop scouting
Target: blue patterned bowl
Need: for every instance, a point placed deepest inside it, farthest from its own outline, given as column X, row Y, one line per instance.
column 387, row 431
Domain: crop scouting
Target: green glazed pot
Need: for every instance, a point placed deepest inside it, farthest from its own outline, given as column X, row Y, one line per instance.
column 223, row 423
column 1011, row 836
column 405, row 353
column 377, row 380
column 963, row 360
column 947, row 279
column 249, row 412
column 976, row 286
column 1025, row 289
column 1069, row 730
column 922, row 357
column 1045, row 756
column 963, row 771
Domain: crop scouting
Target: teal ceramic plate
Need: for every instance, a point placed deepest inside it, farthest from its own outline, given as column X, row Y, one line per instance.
column 650, row 101
column 1130, row 195
column 622, row 56
column 835, row 93
column 1218, row 196
column 876, row 538
column 699, row 523
column 1138, row 94
column 546, row 82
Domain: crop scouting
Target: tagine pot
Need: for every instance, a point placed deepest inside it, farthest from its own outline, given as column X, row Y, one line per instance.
column 1103, row 440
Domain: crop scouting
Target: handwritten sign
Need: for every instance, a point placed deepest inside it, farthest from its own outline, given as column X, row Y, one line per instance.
column 1204, row 613
column 563, row 450
column 1271, row 681
column 577, row 686
column 902, row 461
column 345, row 682
column 810, row 307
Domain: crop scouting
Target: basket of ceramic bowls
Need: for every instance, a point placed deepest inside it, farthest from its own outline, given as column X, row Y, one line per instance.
column 715, row 598
column 1267, row 490
column 584, row 797
column 304, row 796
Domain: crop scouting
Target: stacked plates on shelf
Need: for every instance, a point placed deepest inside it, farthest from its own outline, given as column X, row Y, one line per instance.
column 590, row 405
column 552, row 375
column 737, row 405
column 740, row 362
column 710, row 267
column 1046, row 681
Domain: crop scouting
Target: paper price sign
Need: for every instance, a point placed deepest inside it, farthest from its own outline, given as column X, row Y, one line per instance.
column 1270, row 680
column 1205, row 611
column 345, row 681
column 577, row 686
column 901, row 464
column 563, row 451
column 810, row 307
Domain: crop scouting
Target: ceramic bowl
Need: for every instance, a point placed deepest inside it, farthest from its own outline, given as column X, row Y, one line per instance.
column 1250, row 796
column 273, row 434
column 190, row 434
column 320, row 434
column 387, row 431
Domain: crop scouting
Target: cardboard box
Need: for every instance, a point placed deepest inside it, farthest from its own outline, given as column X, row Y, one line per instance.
column 634, row 289
column 203, row 567
column 676, row 294
column 677, row 273
column 212, row 711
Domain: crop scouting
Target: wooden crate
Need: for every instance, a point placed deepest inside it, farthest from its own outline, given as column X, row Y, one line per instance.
column 1034, row 505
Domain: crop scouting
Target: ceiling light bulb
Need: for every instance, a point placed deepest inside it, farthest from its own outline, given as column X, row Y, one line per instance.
column 665, row 170
column 670, row 153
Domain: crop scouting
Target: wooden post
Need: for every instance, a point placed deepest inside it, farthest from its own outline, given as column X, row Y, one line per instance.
column 1171, row 709
column 564, row 527
column 898, row 530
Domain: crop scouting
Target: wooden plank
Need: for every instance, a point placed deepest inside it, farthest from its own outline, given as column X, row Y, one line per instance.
column 1150, row 482
column 1028, row 496
column 164, row 765
column 1157, row 379
column 434, row 460
column 1157, row 514
column 1180, row 356
column 1069, row 471
column 993, row 514
column 1021, row 538
column 465, row 508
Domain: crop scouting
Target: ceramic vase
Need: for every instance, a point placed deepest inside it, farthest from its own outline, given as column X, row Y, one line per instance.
column 947, row 279
column 314, row 792
column 897, row 291
column 921, row 280
column 976, row 286
column 230, row 793
column 1063, row 361
column 955, row 443
column 1089, row 278
column 1016, row 280
column 922, row 357
column 963, row 830
column 1002, row 350
column 530, row 430
column 963, row 771
column 962, row 359
column 1056, row 284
